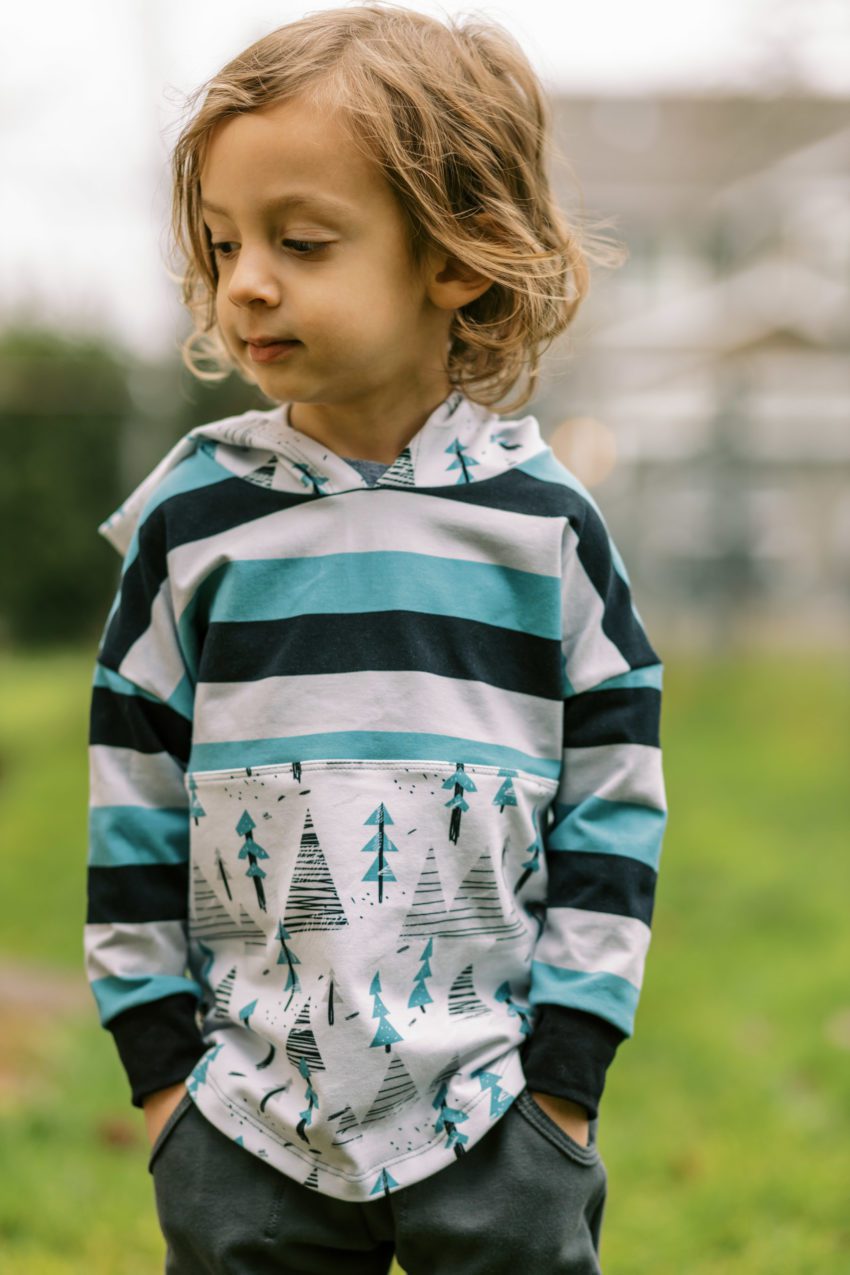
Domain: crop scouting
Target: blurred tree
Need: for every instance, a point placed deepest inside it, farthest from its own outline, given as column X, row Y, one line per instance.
column 82, row 421
column 62, row 405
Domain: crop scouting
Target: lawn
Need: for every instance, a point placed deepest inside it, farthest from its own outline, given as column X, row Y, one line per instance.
column 725, row 1123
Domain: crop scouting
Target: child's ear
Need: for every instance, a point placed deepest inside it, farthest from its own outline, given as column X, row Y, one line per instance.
column 453, row 283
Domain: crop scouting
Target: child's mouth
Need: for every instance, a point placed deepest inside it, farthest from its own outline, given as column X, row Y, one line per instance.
column 268, row 353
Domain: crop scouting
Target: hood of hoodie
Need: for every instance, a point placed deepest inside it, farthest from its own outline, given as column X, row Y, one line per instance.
column 460, row 442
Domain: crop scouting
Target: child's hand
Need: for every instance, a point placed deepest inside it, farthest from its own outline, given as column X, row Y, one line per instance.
column 567, row 1114
column 158, row 1107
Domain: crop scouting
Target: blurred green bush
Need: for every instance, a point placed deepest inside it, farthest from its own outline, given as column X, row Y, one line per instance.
column 81, row 423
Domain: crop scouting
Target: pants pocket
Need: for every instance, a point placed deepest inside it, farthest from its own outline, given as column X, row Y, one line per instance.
column 161, row 1138
column 544, row 1124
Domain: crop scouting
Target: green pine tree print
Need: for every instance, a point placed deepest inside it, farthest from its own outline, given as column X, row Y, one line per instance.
column 252, row 852
column 503, row 995
column 420, row 995
column 379, row 845
column 246, row 1011
column 448, row 1118
column 310, row 477
column 386, row 1034
column 500, row 1099
column 461, row 783
column 506, row 795
column 196, row 810
column 198, row 1075
column 462, row 462
column 310, row 1097
column 288, row 958
column 384, row 1182
column 531, row 864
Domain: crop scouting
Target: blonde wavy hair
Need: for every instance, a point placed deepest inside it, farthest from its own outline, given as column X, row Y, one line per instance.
column 459, row 123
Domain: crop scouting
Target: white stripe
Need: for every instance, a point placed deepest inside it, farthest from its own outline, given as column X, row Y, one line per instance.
column 154, row 661
column 590, row 656
column 594, row 943
column 124, row 950
column 125, row 777
column 617, row 772
column 382, row 519
column 424, row 703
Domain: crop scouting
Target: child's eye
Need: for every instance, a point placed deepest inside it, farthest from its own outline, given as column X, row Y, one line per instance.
column 302, row 246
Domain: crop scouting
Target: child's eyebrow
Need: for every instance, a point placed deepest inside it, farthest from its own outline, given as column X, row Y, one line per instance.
column 324, row 203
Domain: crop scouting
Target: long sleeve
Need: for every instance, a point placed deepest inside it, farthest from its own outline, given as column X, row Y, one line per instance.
column 135, row 939
column 603, row 842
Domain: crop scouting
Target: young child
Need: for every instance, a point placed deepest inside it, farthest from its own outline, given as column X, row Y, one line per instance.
column 376, row 794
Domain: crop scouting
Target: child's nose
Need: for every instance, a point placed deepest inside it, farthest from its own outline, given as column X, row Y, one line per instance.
column 253, row 277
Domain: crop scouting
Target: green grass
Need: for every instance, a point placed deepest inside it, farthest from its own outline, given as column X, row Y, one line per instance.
column 724, row 1124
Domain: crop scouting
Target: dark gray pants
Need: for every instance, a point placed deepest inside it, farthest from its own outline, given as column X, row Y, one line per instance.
column 526, row 1198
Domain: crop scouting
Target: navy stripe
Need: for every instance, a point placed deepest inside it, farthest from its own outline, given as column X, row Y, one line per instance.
column 182, row 518
column 622, row 715
column 385, row 641
column 619, row 622
column 233, row 502
column 210, row 510
column 133, row 721
column 138, row 893
column 219, row 507
column 140, row 584
column 619, row 884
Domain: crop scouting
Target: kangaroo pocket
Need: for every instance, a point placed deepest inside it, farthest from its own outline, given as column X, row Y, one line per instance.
column 348, row 918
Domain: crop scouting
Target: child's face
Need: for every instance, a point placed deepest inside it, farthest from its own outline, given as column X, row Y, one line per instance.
column 337, row 280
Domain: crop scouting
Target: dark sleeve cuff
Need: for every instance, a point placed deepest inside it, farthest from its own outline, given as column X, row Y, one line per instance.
column 158, row 1043
column 568, row 1053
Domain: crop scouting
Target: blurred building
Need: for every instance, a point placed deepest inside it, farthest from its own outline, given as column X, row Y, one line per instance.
column 703, row 391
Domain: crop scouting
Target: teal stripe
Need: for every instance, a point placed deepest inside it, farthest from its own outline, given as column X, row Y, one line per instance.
column 113, row 681
column 365, row 744
column 546, row 466
column 113, row 994
column 597, row 826
column 120, row 836
column 606, row 995
column 381, row 580
column 193, row 472
column 182, row 699
column 652, row 675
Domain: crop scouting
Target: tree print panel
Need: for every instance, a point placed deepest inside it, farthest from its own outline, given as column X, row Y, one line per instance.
column 363, row 934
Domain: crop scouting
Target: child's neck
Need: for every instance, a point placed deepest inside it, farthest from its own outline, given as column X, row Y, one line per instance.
column 377, row 431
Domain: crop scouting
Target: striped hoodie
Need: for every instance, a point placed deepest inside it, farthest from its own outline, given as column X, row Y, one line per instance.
column 376, row 798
